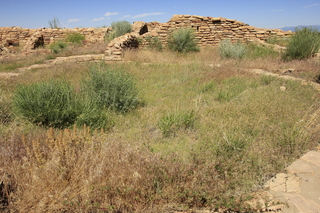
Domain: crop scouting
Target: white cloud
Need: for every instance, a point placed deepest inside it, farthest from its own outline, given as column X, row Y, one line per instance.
column 110, row 13
column 311, row 5
column 146, row 14
column 278, row 10
column 98, row 19
column 73, row 20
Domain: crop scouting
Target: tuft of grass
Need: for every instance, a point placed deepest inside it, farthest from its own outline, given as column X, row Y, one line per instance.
column 232, row 51
column 172, row 122
column 51, row 104
column 304, row 43
column 183, row 40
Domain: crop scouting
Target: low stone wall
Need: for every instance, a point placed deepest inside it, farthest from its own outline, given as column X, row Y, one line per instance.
column 210, row 30
column 30, row 38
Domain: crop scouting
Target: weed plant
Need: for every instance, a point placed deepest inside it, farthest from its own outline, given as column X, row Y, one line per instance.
column 232, row 51
column 183, row 40
column 51, row 104
column 54, row 23
column 57, row 47
column 304, row 43
column 92, row 115
column 110, row 88
column 119, row 28
column 75, row 38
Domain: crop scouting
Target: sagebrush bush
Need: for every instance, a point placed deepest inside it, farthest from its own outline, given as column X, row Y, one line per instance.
column 232, row 51
column 304, row 43
column 119, row 28
column 111, row 88
column 51, row 104
column 58, row 46
column 76, row 38
column 183, row 40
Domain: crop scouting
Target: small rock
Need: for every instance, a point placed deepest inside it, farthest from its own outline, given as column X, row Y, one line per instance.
column 283, row 88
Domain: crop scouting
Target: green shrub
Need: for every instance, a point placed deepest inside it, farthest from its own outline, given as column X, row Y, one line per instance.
column 183, row 40
column 154, row 43
column 54, row 23
column 76, row 38
column 95, row 119
column 111, row 88
column 304, row 43
column 58, row 46
column 119, row 28
column 172, row 122
column 232, row 51
column 51, row 104
column 93, row 116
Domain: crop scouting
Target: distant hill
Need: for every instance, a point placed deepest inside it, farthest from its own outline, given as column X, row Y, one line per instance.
column 292, row 28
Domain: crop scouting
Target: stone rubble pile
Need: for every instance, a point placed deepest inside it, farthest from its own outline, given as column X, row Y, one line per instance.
column 114, row 51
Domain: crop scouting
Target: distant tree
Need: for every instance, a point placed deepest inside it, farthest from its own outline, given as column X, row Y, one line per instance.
column 54, row 23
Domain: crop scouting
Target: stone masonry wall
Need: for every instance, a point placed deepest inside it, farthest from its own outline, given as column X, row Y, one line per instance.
column 210, row 31
column 27, row 38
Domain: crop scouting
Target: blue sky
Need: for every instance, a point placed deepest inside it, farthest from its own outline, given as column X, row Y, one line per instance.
column 92, row 13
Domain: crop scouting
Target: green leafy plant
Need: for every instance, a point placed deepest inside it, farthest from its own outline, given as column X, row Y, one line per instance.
column 92, row 115
column 57, row 47
column 232, row 51
column 112, row 88
column 119, row 28
column 304, row 43
column 75, row 38
column 54, row 23
column 51, row 104
column 183, row 40
column 172, row 122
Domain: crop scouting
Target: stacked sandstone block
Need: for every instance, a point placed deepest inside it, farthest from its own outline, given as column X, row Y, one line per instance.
column 17, row 36
column 211, row 31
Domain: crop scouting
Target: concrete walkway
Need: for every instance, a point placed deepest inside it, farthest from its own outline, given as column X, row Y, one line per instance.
column 299, row 187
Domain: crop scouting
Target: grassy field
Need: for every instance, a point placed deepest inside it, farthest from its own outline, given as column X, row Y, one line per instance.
column 208, row 135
